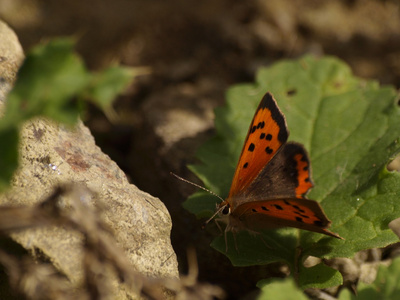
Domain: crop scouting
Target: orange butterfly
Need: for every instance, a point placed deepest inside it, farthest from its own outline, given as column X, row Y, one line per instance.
column 271, row 180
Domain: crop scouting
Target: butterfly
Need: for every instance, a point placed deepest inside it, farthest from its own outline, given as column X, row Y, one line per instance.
column 271, row 180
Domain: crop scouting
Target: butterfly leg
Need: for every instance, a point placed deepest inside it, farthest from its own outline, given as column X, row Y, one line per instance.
column 226, row 240
column 217, row 222
column 259, row 234
column 265, row 243
column 234, row 240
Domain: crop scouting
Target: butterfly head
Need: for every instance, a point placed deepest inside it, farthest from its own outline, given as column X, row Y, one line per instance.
column 223, row 209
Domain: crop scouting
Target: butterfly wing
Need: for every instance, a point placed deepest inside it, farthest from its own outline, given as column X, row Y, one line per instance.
column 287, row 175
column 298, row 213
column 267, row 133
column 272, row 178
column 276, row 197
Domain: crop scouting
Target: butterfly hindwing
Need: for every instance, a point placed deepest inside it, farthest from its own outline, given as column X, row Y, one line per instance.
column 267, row 133
column 298, row 213
column 287, row 175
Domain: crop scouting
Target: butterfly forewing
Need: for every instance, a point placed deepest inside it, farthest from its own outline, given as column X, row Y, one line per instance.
column 267, row 133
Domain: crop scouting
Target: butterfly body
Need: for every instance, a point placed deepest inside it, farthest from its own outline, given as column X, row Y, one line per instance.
column 271, row 179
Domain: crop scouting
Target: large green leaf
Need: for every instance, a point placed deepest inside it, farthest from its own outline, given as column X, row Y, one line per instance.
column 351, row 128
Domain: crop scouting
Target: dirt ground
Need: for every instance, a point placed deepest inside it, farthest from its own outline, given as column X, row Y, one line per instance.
column 196, row 50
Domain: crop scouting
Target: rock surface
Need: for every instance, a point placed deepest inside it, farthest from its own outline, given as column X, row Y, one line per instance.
column 11, row 56
column 50, row 155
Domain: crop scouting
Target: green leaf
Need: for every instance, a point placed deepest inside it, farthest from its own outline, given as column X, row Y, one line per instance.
column 351, row 128
column 109, row 83
column 386, row 285
column 51, row 83
column 319, row 276
column 51, row 76
column 280, row 289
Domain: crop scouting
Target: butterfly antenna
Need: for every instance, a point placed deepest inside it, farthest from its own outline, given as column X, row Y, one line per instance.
column 196, row 185
column 204, row 189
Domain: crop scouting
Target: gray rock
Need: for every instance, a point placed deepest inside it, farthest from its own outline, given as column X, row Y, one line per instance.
column 52, row 155
column 11, row 56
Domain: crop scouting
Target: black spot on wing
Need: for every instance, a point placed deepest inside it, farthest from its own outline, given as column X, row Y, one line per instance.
column 269, row 150
column 278, row 206
column 298, row 208
column 251, row 147
column 301, row 215
column 318, row 223
column 268, row 137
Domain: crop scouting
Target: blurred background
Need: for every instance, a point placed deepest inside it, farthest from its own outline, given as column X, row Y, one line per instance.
column 196, row 50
